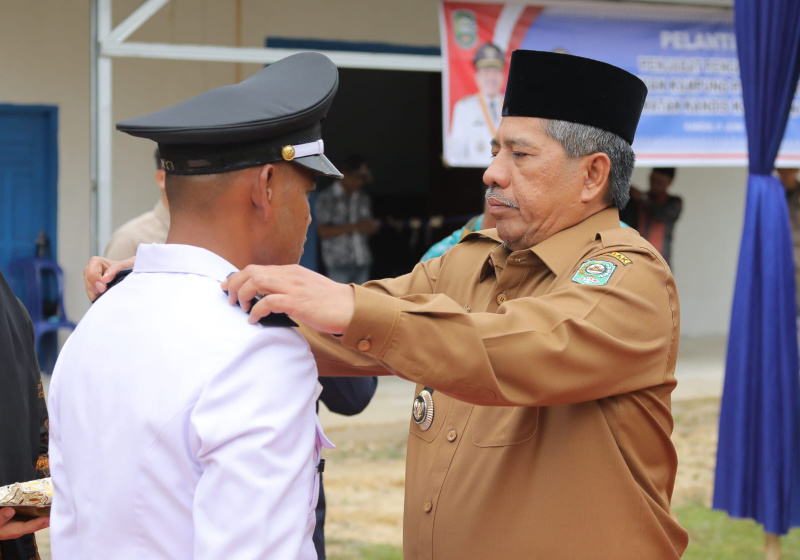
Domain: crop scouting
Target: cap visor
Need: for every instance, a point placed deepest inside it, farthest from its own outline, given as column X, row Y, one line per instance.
column 320, row 165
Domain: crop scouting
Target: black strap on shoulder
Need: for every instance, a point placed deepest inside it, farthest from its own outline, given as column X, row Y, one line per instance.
column 273, row 319
column 276, row 320
column 120, row 276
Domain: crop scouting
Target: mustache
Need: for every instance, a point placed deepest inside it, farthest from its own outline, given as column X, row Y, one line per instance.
column 497, row 194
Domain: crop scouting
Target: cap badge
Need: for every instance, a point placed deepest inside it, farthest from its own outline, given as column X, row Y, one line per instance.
column 422, row 410
column 288, row 153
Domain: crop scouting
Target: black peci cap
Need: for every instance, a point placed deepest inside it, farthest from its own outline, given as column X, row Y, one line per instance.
column 575, row 89
column 275, row 115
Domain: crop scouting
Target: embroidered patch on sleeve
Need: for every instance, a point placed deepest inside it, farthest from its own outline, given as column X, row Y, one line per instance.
column 620, row 257
column 594, row 273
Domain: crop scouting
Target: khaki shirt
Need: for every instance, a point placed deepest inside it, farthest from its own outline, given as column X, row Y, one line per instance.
column 552, row 421
column 150, row 227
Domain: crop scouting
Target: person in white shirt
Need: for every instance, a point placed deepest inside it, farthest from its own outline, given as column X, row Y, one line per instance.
column 179, row 429
column 477, row 116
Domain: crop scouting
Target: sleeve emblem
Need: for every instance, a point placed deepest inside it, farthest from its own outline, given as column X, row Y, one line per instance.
column 620, row 257
column 594, row 273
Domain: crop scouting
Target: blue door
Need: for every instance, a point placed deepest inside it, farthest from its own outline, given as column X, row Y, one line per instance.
column 28, row 180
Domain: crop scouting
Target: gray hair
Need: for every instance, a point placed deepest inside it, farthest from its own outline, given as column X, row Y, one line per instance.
column 580, row 140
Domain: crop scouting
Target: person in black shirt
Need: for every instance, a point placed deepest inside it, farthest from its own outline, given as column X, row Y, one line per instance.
column 23, row 417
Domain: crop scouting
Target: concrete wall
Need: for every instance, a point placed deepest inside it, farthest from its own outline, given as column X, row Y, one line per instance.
column 44, row 58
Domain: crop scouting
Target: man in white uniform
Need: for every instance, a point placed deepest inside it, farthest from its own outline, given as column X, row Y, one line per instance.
column 178, row 428
column 476, row 117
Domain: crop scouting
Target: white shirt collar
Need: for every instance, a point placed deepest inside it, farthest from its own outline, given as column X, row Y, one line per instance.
column 181, row 259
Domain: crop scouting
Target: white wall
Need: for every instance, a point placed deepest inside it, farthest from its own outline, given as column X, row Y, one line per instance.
column 706, row 243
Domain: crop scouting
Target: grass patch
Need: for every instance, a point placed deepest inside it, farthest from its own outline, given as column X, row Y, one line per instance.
column 712, row 536
column 351, row 550
column 715, row 536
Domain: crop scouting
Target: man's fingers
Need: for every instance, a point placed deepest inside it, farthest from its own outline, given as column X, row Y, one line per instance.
column 114, row 267
column 234, row 282
column 249, row 290
column 34, row 525
column 274, row 303
column 99, row 272
column 256, row 280
column 12, row 529
column 6, row 514
column 92, row 275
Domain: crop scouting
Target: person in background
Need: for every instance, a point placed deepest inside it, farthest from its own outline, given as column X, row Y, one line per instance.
column 655, row 212
column 345, row 223
column 23, row 421
column 477, row 116
column 150, row 227
column 347, row 396
column 788, row 177
column 476, row 223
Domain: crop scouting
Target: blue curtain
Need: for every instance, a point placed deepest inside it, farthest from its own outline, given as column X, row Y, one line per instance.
column 758, row 455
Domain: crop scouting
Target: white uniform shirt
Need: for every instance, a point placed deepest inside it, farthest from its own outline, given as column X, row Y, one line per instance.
column 179, row 430
column 470, row 135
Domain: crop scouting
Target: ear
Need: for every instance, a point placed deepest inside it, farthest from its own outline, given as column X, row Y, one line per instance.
column 263, row 190
column 595, row 185
column 161, row 179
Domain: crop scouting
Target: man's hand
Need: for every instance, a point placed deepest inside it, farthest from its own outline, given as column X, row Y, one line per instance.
column 306, row 296
column 99, row 272
column 10, row 529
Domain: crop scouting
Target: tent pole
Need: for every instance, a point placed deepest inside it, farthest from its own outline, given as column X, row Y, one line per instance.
column 103, row 130
column 772, row 546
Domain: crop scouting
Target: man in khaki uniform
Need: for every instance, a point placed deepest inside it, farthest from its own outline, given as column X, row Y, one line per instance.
column 150, row 227
column 543, row 351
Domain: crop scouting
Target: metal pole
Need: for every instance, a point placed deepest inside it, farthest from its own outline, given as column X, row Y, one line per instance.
column 772, row 546
column 103, row 129
column 94, row 50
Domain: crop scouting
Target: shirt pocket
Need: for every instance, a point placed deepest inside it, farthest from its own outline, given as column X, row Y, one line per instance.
column 499, row 426
column 441, row 408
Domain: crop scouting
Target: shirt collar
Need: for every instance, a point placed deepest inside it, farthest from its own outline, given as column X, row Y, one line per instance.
column 558, row 251
column 161, row 212
column 495, row 258
column 181, row 259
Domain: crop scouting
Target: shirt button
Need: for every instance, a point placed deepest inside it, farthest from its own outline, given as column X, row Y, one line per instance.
column 427, row 507
column 364, row 345
column 501, row 299
column 452, row 435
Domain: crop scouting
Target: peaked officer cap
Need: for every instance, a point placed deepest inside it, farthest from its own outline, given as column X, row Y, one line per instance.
column 275, row 115
column 575, row 89
column 489, row 55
